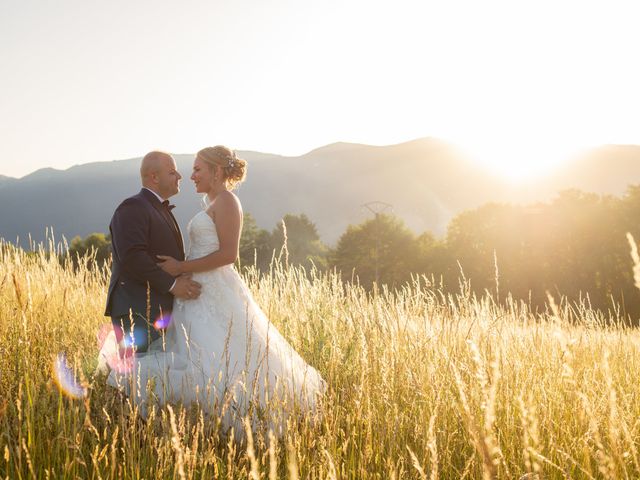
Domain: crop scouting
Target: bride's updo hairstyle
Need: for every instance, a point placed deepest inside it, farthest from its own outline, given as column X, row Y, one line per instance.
column 234, row 168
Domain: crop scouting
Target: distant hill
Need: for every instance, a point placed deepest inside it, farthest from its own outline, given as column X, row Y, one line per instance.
column 606, row 169
column 427, row 182
column 4, row 180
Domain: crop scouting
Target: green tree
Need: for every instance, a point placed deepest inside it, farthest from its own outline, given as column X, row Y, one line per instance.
column 255, row 244
column 381, row 250
column 574, row 246
column 96, row 244
column 304, row 246
column 433, row 259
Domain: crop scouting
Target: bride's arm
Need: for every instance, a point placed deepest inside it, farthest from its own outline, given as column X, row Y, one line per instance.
column 228, row 219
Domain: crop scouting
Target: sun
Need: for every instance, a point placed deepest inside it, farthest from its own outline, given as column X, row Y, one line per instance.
column 522, row 160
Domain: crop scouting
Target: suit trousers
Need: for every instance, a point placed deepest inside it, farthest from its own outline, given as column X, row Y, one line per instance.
column 134, row 331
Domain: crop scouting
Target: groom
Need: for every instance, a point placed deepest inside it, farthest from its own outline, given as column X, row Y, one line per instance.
column 142, row 227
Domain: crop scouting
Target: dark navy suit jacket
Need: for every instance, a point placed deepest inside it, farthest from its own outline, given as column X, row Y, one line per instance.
column 141, row 229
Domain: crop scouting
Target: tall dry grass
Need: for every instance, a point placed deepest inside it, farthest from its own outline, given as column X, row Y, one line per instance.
column 421, row 385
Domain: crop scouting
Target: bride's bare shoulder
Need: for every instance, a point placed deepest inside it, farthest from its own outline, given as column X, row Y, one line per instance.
column 226, row 202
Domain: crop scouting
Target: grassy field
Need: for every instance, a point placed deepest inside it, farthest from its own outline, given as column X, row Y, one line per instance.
column 421, row 385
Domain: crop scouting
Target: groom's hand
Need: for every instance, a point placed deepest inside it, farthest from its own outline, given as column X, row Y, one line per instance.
column 170, row 265
column 186, row 288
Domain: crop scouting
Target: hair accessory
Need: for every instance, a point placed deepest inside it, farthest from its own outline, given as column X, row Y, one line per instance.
column 232, row 159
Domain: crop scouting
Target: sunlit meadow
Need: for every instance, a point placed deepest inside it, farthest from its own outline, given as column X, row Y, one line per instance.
column 421, row 385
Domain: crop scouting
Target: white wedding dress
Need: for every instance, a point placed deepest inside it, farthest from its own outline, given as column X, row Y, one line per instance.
column 221, row 352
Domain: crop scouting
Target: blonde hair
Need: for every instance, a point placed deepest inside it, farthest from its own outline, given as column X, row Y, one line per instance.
column 234, row 169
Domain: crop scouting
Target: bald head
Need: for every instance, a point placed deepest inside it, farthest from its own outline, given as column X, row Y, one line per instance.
column 158, row 173
column 152, row 163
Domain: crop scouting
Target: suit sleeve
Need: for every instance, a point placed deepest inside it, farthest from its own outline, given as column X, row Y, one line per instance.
column 130, row 231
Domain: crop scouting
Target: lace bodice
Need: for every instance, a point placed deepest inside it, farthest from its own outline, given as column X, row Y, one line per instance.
column 203, row 236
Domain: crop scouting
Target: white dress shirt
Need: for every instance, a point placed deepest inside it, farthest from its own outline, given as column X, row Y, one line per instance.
column 158, row 196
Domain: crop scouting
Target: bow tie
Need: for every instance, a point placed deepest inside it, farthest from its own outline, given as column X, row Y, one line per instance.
column 167, row 206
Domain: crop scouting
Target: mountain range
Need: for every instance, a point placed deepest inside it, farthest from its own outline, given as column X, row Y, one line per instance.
column 425, row 182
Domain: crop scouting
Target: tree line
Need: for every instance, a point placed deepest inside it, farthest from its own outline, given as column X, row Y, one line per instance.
column 574, row 246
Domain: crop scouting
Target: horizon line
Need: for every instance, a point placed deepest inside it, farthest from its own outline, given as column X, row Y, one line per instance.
column 451, row 143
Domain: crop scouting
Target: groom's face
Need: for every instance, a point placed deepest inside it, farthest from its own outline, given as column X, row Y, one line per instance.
column 168, row 178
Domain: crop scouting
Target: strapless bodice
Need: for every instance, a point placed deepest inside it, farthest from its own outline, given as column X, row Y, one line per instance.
column 203, row 236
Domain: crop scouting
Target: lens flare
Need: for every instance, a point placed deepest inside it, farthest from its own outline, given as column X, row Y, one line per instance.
column 118, row 346
column 132, row 339
column 162, row 322
column 103, row 334
column 121, row 362
column 65, row 378
column 117, row 349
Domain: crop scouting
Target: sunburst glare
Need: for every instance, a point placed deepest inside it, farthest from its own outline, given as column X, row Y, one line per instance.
column 519, row 160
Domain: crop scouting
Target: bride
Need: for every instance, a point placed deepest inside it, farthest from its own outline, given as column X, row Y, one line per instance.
column 220, row 350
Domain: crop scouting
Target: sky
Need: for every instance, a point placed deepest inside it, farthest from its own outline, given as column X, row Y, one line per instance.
column 518, row 85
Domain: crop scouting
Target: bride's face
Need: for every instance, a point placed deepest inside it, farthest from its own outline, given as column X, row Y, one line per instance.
column 202, row 176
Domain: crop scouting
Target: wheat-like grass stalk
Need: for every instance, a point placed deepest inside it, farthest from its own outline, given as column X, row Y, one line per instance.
column 458, row 385
column 636, row 259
